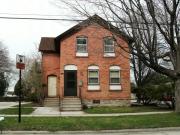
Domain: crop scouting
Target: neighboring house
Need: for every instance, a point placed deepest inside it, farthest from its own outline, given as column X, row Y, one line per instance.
column 86, row 62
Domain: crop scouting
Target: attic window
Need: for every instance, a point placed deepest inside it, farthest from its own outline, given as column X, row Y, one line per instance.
column 108, row 45
column 81, row 44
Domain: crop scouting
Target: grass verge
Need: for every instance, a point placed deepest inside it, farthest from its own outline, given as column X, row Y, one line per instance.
column 15, row 110
column 93, row 123
column 133, row 109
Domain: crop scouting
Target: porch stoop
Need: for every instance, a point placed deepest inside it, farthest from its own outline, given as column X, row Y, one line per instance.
column 51, row 102
column 71, row 104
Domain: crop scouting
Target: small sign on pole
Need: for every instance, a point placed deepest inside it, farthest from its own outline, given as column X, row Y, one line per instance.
column 20, row 64
column 20, row 61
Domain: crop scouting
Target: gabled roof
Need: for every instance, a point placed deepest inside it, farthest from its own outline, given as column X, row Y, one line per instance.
column 47, row 44
column 54, row 46
column 95, row 19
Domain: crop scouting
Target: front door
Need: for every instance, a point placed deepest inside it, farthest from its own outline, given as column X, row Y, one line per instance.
column 52, row 86
column 70, row 83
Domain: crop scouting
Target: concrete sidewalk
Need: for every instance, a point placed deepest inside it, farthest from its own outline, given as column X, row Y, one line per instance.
column 82, row 114
column 150, row 131
column 4, row 105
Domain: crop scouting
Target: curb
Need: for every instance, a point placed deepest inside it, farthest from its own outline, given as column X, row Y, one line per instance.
column 97, row 132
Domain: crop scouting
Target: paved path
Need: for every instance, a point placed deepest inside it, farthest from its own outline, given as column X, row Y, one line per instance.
column 156, row 131
column 4, row 105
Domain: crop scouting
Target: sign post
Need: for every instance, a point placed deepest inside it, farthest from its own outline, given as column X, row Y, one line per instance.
column 20, row 64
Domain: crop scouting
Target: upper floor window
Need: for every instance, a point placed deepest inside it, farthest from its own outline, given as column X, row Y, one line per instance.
column 108, row 45
column 81, row 45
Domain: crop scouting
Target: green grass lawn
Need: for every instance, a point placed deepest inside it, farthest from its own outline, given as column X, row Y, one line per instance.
column 15, row 110
column 92, row 123
column 132, row 109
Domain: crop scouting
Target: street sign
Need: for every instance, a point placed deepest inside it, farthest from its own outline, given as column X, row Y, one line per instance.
column 20, row 61
column 20, row 64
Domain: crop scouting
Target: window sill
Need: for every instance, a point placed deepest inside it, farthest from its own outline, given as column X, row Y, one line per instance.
column 115, row 87
column 81, row 54
column 94, row 87
column 109, row 55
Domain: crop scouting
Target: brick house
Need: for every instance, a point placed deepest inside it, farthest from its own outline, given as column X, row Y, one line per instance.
column 86, row 63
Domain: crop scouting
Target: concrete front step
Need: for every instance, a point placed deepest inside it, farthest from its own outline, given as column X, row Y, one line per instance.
column 71, row 104
column 51, row 102
column 71, row 109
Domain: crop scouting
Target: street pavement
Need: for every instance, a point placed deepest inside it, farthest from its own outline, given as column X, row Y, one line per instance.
column 156, row 131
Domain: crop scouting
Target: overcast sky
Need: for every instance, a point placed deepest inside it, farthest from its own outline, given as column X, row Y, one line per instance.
column 22, row 36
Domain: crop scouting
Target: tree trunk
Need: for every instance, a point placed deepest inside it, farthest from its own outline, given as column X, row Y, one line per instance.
column 177, row 95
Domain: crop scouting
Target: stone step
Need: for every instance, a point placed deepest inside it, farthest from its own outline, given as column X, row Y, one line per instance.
column 71, row 109
column 51, row 102
column 73, row 100
column 71, row 104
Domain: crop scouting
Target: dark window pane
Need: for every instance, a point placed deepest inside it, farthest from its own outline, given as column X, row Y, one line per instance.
column 93, row 80
column 81, row 48
column 109, row 48
column 108, row 41
column 81, row 41
column 115, row 80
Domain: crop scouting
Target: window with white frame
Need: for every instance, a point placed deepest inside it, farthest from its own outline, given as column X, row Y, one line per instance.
column 81, row 44
column 114, row 75
column 108, row 45
column 93, row 75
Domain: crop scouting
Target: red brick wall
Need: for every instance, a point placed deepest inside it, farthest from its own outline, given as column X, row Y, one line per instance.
column 95, row 36
column 50, row 66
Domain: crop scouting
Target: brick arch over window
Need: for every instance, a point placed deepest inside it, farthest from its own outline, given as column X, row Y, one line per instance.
column 93, row 67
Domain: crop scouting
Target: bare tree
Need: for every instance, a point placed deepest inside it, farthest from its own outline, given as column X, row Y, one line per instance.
column 5, row 69
column 154, row 26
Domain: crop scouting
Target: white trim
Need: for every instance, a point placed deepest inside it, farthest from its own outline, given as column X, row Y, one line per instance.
column 81, row 54
column 93, row 87
column 115, row 68
column 70, row 67
column 93, row 67
column 109, row 55
column 115, row 87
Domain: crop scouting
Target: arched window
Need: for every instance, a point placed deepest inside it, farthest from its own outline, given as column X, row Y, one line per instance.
column 114, row 75
column 93, row 75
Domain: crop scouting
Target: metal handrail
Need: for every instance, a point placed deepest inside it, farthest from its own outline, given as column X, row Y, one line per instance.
column 59, row 103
